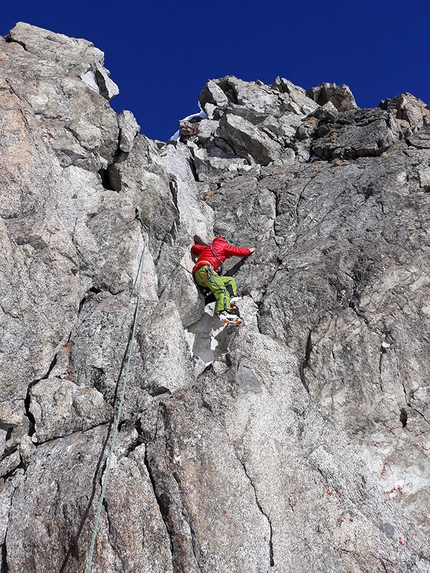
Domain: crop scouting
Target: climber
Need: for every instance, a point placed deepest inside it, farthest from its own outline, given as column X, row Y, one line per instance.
column 210, row 260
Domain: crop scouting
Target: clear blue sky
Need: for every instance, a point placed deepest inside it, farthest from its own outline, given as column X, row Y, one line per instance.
column 161, row 53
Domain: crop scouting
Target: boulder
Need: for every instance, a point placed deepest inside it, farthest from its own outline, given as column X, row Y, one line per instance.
column 340, row 96
column 406, row 107
column 247, row 139
column 421, row 139
column 128, row 129
column 213, row 94
column 367, row 132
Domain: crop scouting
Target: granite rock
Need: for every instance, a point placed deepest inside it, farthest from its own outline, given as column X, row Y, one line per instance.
column 296, row 442
column 340, row 96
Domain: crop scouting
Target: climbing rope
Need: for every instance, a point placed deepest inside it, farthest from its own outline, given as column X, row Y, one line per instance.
column 119, row 412
column 179, row 263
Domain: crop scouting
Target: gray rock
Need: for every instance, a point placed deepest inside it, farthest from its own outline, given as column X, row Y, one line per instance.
column 283, row 128
column 246, row 378
column 63, row 515
column 108, row 88
column 210, row 338
column 7, row 490
column 144, row 180
column 38, row 259
column 326, row 112
column 406, row 107
column 249, row 503
column 3, row 434
column 306, row 129
column 297, row 441
column 206, row 130
column 251, row 100
column 247, row 139
column 10, row 463
column 213, row 167
column 97, row 361
column 421, row 139
column 213, row 94
column 256, row 101
column 424, row 177
column 250, row 126
column 59, row 407
column 18, row 437
column 45, row 70
column 340, row 96
column 195, row 217
column 222, row 514
column 167, row 366
column 355, row 134
column 54, row 47
column 128, row 129
column 99, row 81
column 294, row 98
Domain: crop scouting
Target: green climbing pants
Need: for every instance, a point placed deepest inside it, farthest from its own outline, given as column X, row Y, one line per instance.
column 208, row 278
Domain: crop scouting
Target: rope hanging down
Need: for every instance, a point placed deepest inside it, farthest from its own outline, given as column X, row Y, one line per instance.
column 119, row 412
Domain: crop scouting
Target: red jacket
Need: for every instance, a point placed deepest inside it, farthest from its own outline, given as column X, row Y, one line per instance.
column 221, row 250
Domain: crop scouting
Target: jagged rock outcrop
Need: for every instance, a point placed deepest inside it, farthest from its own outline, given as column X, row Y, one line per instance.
column 340, row 96
column 297, row 442
column 412, row 113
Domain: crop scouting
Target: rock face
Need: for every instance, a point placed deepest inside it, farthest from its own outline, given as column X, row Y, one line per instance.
column 297, row 442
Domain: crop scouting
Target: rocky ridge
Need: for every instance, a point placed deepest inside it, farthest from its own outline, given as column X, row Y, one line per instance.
column 298, row 442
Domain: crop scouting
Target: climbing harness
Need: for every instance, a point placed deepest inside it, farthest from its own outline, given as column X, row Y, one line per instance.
column 209, row 273
column 120, row 406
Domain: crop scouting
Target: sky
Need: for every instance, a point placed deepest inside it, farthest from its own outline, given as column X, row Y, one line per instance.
column 161, row 53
